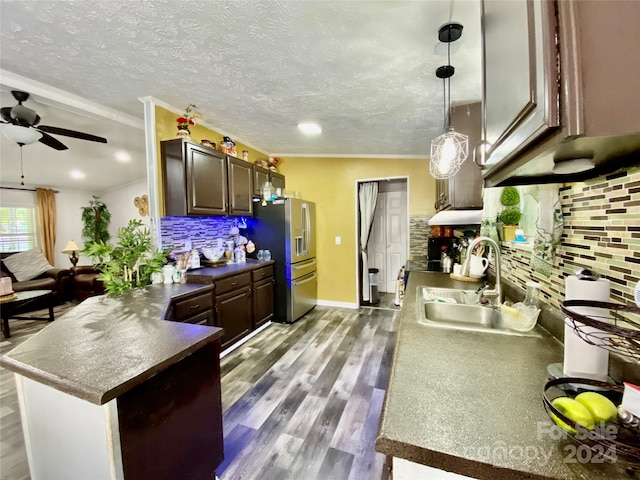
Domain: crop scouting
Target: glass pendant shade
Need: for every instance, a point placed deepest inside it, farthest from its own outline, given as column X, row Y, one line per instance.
column 21, row 135
column 448, row 151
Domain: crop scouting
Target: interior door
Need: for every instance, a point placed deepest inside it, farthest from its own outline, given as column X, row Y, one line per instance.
column 396, row 236
column 388, row 241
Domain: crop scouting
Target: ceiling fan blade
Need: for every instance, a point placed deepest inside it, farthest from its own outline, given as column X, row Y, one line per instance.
column 6, row 115
column 49, row 141
column 71, row 133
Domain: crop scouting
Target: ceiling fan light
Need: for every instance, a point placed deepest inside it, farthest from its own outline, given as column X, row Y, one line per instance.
column 448, row 152
column 21, row 135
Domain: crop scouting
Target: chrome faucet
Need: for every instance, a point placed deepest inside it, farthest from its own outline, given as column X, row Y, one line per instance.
column 496, row 292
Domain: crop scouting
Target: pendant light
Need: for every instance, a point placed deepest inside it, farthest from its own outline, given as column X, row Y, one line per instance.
column 451, row 149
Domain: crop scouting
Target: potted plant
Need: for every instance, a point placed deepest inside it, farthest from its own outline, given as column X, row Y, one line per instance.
column 95, row 221
column 130, row 263
column 511, row 214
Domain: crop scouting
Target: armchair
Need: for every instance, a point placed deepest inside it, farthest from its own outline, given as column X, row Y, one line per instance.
column 85, row 282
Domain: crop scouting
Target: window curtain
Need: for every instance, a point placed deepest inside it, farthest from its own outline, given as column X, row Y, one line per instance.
column 47, row 220
column 548, row 229
column 491, row 205
column 368, row 194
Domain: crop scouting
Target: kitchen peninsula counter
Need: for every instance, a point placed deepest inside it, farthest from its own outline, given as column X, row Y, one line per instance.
column 108, row 345
column 215, row 273
column 113, row 380
column 471, row 402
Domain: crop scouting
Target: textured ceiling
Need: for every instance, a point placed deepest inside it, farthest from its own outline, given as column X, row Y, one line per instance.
column 364, row 70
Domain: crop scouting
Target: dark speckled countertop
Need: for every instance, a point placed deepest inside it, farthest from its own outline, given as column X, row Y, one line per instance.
column 108, row 345
column 471, row 402
column 226, row 270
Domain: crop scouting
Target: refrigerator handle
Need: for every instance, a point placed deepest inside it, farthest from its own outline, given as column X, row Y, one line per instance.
column 305, row 233
column 309, row 232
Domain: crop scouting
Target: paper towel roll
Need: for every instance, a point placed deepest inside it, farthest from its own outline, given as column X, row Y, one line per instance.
column 582, row 359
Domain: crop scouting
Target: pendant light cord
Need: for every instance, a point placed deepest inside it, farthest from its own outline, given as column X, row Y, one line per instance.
column 21, row 168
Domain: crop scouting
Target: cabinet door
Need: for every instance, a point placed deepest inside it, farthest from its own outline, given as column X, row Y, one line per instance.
column 240, row 187
column 277, row 180
column 260, row 175
column 234, row 315
column 206, row 181
column 464, row 189
column 525, row 107
column 263, row 292
column 442, row 194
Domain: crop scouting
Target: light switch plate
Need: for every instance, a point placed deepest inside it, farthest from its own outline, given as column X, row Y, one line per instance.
column 338, row 240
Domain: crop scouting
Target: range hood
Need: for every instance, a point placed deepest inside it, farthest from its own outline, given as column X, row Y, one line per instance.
column 457, row 217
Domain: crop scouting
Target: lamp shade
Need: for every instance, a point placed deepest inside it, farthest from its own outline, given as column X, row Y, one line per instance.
column 71, row 247
column 448, row 151
column 21, row 135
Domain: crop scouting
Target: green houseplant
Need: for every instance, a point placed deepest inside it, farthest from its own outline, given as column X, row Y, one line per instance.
column 129, row 263
column 95, row 221
column 510, row 216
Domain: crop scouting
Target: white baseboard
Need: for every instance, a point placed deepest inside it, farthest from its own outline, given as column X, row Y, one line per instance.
column 331, row 303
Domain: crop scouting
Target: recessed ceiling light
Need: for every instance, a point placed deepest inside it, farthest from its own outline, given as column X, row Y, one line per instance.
column 310, row 128
column 122, row 156
column 77, row 174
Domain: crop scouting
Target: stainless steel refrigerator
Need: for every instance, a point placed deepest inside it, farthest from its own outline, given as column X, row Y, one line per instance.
column 286, row 227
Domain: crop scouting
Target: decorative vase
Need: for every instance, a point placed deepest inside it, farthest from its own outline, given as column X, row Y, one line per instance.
column 183, row 132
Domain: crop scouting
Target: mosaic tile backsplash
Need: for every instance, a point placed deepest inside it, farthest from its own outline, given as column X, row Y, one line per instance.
column 601, row 232
column 177, row 232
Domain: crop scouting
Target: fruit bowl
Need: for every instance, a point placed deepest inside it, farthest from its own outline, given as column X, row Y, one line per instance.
column 614, row 441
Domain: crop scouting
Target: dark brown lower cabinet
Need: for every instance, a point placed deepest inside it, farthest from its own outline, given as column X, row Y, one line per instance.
column 234, row 315
column 243, row 301
column 171, row 425
column 262, row 302
column 193, row 308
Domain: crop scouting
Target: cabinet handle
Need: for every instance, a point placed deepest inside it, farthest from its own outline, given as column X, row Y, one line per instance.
column 193, row 307
column 482, row 158
column 233, row 284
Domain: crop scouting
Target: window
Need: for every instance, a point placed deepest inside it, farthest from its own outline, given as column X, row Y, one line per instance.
column 17, row 229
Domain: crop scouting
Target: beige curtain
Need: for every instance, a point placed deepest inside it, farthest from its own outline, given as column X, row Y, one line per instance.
column 47, row 218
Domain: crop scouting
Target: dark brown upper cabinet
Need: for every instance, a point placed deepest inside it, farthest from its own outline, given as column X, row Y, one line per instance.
column 240, row 175
column 201, row 181
column 559, row 84
column 277, row 180
column 261, row 175
column 464, row 189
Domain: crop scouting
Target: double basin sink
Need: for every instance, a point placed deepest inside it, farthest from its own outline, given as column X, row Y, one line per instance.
column 460, row 310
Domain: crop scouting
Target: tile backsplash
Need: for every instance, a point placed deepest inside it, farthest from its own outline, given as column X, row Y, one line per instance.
column 601, row 232
column 176, row 232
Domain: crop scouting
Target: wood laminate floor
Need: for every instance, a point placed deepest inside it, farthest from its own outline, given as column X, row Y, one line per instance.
column 300, row 401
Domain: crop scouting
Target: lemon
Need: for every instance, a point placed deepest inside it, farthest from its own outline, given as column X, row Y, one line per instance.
column 574, row 410
column 602, row 409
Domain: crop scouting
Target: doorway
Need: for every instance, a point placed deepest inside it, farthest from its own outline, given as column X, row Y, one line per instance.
column 388, row 239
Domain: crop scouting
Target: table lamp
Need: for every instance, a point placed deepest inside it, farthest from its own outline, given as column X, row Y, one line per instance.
column 71, row 249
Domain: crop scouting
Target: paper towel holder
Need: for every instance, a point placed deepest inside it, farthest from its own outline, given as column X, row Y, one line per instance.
column 587, row 274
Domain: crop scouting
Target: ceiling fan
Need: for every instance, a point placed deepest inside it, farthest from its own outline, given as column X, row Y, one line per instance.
column 22, row 126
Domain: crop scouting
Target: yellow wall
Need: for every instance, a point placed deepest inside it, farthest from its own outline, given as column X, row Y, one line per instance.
column 166, row 128
column 331, row 184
